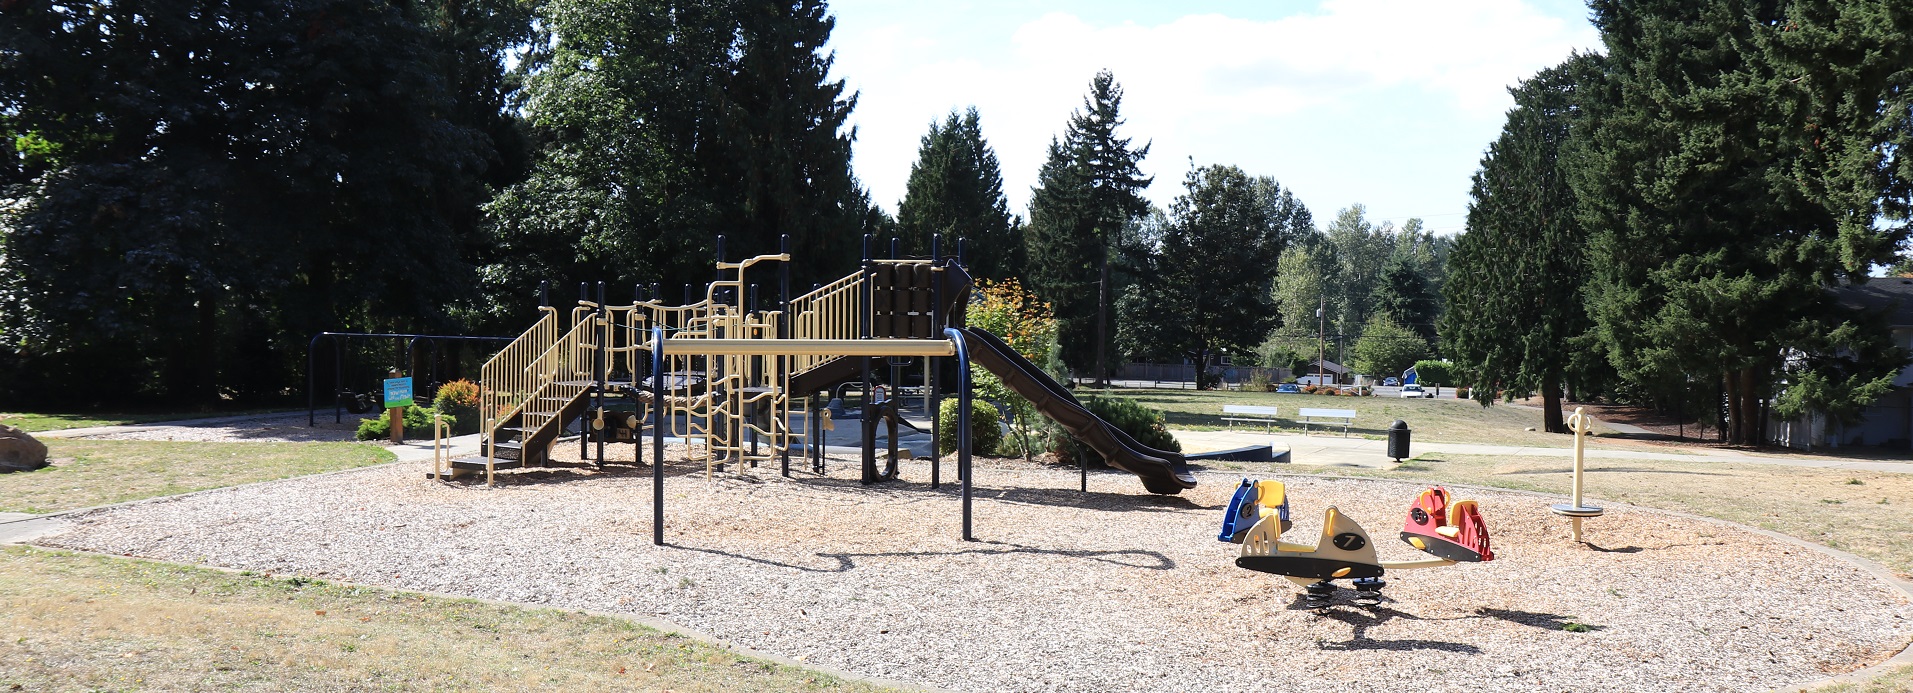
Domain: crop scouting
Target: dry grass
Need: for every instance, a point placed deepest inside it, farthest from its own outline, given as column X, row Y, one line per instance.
column 86, row 473
column 1896, row 681
column 83, row 622
column 1434, row 420
column 1866, row 513
column 46, row 421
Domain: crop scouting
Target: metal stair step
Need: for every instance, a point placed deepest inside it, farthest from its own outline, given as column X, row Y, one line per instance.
column 478, row 463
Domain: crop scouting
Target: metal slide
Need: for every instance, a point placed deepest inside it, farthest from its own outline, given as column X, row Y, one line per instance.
column 1161, row 471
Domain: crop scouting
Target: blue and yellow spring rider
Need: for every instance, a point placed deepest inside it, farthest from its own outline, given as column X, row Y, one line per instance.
column 1449, row 531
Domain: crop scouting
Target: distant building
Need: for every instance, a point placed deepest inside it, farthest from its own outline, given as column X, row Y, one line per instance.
column 1342, row 374
column 1888, row 422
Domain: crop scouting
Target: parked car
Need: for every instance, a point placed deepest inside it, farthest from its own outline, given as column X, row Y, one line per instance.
column 1288, row 389
column 1414, row 390
column 1391, row 382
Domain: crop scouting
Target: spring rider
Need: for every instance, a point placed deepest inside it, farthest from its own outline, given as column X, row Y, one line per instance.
column 1449, row 531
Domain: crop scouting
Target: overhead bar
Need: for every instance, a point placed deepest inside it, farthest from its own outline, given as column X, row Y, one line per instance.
column 811, row 347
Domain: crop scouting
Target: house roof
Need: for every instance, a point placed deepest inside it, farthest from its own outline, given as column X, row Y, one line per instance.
column 1328, row 366
column 1891, row 294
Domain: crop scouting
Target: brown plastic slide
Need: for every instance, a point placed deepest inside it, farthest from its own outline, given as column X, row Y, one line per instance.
column 1161, row 471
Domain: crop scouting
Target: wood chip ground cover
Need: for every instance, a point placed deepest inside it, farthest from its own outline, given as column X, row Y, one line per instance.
column 1113, row 590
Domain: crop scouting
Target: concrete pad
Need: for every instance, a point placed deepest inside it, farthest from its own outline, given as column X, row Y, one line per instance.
column 23, row 531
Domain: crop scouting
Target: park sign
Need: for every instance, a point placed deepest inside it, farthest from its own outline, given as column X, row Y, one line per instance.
column 398, row 392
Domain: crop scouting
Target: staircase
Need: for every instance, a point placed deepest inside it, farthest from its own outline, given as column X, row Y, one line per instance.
column 531, row 389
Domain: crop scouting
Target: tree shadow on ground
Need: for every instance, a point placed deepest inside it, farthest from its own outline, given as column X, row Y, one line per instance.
column 844, row 562
column 1363, row 617
column 1535, row 619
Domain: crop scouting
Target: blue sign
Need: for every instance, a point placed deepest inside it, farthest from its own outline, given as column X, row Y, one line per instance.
column 1408, row 376
column 398, row 392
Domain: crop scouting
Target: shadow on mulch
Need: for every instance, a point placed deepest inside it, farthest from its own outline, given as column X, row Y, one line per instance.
column 1538, row 620
column 1150, row 560
column 1363, row 618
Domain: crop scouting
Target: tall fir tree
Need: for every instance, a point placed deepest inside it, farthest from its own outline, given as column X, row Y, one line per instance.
column 1088, row 189
column 956, row 191
column 213, row 181
column 1515, row 312
column 1745, row 168
column 663, row 125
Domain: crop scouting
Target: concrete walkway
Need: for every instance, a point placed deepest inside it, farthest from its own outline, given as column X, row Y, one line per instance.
column 1359, row 452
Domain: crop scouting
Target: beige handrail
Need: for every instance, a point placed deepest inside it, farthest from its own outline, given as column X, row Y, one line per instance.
column 829, row 312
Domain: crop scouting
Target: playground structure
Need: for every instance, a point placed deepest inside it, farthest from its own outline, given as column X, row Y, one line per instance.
column 1258, row 514
column 1580, row 423
column 731, row 380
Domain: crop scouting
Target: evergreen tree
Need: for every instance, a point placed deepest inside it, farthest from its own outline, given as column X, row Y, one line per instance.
column 956, row 190
column 1515, row 307
column 1201, row 290
column 209, row 182
column 1751, row 160
column 663, row 125
column 1088, row 189
column 1402, row 295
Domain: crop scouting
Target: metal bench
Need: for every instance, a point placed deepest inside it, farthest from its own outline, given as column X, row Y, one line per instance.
column 1249, row 414
column 1328, row 417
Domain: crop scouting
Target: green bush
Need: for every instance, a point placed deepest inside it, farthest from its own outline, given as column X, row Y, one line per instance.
column 1431, row 372
column 1144, row 424
column 418, row 425
column 986, row 428
column 459, row 400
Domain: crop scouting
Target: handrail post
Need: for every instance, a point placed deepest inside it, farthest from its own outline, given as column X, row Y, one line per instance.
column 963, row 422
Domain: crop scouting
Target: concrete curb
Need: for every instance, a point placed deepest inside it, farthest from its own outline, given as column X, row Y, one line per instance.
column 1904, row 587
column 668, row 628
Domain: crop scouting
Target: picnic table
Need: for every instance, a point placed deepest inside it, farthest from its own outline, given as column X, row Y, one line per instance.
column 1328, row 417
column 1249, row 414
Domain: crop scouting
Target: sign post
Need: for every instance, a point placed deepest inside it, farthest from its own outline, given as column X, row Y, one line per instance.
column 398, row 396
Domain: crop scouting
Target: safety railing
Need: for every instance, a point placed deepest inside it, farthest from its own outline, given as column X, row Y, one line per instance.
column 829, row 312
column 506, row 382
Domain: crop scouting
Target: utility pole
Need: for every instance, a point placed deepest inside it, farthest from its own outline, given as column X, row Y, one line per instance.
column 1102, row 317
column 1321, row 338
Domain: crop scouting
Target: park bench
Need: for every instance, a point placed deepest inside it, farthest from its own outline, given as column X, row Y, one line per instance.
column 1328, row 417
column 1249, row 414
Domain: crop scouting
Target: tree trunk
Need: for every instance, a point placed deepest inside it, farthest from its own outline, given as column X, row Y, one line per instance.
column 1551, row 418
column 1730, row 426
column 1749, row 408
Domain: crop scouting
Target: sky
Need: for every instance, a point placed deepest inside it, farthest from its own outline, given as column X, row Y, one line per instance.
column 1384, row 103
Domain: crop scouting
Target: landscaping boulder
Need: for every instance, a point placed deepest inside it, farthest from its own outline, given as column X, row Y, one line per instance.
column 20, row 452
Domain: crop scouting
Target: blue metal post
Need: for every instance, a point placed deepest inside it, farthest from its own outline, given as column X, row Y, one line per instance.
column 963, row 422
column 657, row 435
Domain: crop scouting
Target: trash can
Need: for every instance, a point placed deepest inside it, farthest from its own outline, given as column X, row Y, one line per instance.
column 1398, row 440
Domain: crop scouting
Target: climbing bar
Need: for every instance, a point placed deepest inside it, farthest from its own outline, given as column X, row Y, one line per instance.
column 811, row 347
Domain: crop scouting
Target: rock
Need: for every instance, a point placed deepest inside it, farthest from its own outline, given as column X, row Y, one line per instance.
column 20, row 452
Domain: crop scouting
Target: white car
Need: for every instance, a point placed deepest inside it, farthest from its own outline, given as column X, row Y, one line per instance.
column 1413, row 390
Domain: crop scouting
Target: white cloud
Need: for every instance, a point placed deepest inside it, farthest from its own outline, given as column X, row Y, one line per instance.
column 1378, row 101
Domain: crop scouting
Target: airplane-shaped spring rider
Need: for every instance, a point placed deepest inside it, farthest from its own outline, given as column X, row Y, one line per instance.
column 1450, row 531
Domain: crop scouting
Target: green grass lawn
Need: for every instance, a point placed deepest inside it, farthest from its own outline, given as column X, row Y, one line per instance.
column 33, row 422
column 84, row 622
column 1865, row 513
column 86, row 473
column 1433, row 420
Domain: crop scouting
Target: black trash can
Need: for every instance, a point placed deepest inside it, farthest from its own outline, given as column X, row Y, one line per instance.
column 1398, row 440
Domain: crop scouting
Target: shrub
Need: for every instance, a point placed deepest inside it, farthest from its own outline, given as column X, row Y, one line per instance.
column 1144, row 424
column 1259, row 381
column 1461, row 393
column 986, row 427
column 418, row 424
column 459, row 400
